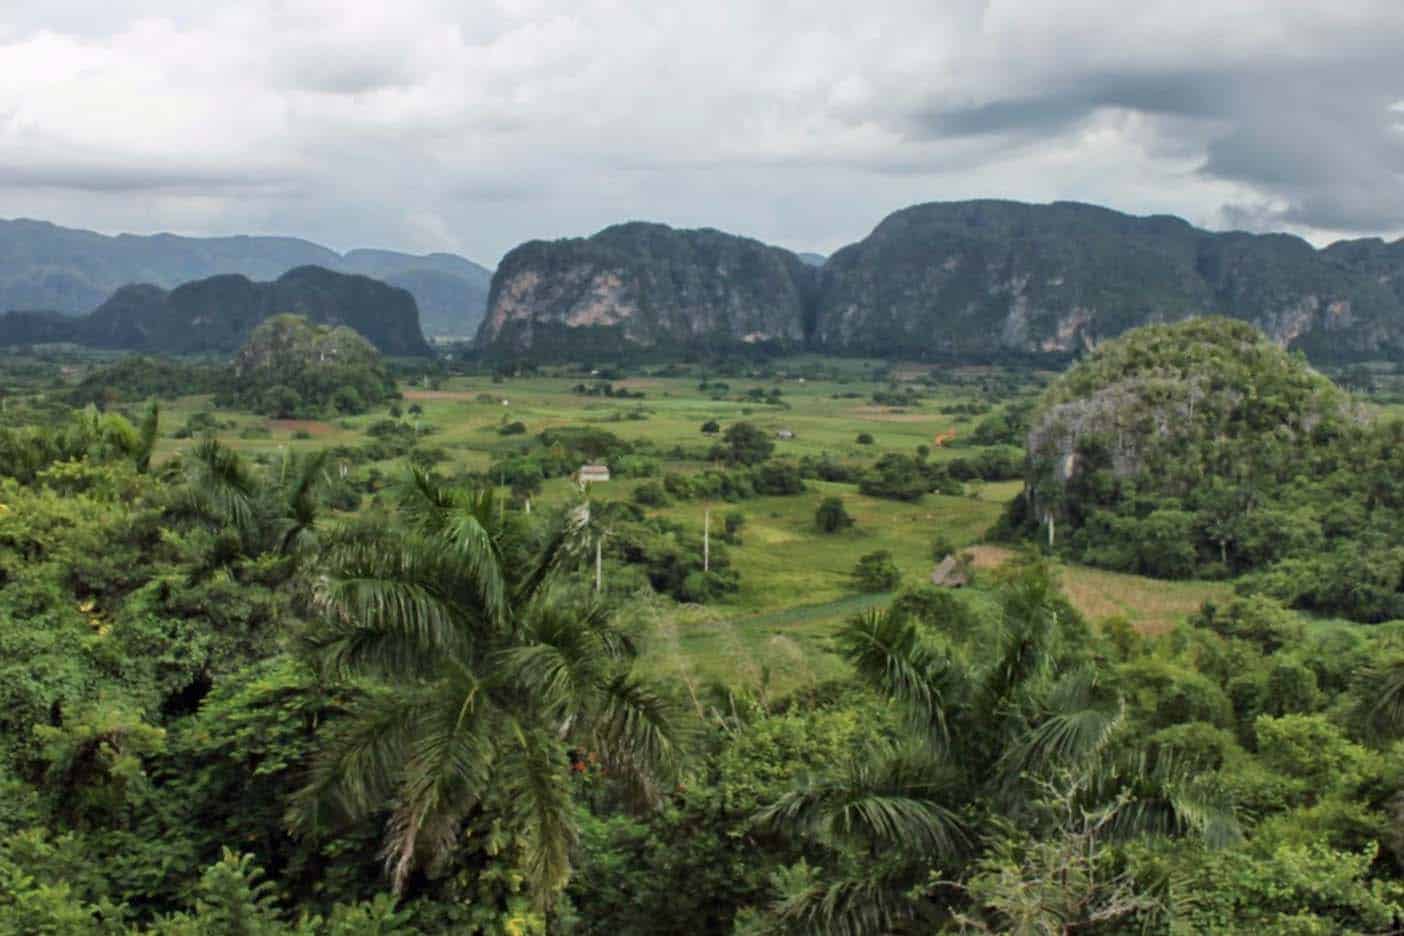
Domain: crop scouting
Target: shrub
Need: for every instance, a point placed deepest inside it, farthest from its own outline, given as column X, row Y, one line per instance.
column 831, row 517
column 651, row 494
column 865, row 438
column 877, row 572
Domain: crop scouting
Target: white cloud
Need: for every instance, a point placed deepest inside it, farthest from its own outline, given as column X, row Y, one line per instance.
column 433, row 124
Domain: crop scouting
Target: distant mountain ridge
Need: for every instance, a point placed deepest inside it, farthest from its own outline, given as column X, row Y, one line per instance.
column 47, row 267
column 948, row 280
column 217, row 314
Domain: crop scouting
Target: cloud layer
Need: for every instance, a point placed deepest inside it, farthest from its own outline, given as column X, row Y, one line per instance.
column 435, row 124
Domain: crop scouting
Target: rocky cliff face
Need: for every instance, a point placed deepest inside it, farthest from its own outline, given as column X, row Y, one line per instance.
column 218, row 314
column 980, row 278
column 963, row 280
column 647, row 285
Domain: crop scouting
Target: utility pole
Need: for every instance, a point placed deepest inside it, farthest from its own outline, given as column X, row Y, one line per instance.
column 707, row 540
column 599, row 564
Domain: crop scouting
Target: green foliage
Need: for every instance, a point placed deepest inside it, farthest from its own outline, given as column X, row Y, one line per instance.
column 831, row 517
column 292, row 369
column 745, row 444
column 876, row 572
column 1203, row 450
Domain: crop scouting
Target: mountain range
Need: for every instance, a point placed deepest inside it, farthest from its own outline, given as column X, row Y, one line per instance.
column 50, row 268
column 946, row 280
column 218, row 314
column 954, row 281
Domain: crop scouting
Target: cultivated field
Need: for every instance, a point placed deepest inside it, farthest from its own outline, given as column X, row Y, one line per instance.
column 795, row 581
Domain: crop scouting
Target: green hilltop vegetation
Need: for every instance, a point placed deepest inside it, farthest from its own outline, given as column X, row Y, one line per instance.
column 394, row 672
column 292, row 369
column 1202, row 450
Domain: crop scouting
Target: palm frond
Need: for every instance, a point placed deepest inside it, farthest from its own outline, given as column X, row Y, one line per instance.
column 863, row 904
column 384, row 625
column 448, row 770
column 1380, row 688
column 640, row 733
column 891, row 654
column 882, row 798
column 220, row 484
column 361, row 760
column 472, row 544
column 1165, row 798
column 1081, row 718
column 535, row 776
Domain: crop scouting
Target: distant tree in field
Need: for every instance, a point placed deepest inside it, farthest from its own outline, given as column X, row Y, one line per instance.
column 895, row 477
column 877, row 572
column 711, row 427
column 651, row 494
column 395, row 411
column 416, row 410
column 735, row 520
column 831, row 517
column 746, row 444
column 865, row 438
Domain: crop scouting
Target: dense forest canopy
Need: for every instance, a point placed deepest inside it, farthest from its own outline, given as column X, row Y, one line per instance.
column 292, row 691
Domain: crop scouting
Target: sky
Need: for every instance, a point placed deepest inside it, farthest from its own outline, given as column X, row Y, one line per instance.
column 472, row 125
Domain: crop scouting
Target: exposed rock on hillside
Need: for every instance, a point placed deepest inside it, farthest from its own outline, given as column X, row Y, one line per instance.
column 1164, row 410
column 647, row 285
column 985, row 277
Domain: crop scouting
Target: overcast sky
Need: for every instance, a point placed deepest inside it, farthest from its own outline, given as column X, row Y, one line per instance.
column 471, row 125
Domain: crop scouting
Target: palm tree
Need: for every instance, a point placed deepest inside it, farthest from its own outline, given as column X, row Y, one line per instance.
column 988, row 717
column 480, row 672
column 296, row 505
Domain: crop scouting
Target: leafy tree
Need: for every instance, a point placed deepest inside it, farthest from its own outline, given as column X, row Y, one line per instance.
column 831, row 517
column 746, row 444
column 710, row 427
column 877, row 572
column 865, row 438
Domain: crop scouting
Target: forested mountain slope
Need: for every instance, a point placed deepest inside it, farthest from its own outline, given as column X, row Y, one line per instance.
column 47, row 267
column 218, row 314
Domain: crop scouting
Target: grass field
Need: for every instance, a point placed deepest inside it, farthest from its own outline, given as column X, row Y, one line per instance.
column 795, row 582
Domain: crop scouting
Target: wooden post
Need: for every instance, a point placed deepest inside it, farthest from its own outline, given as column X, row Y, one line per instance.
column 599, row 564
column 707, row 540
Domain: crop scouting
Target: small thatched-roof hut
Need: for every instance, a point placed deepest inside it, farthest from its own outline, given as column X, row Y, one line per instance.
column 951, row 572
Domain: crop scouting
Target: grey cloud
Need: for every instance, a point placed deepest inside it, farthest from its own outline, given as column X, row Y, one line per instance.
column 137, row 180
column 430, row 124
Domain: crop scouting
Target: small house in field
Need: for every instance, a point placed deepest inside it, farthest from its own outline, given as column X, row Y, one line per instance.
column 785, row 435
column 951, row 572
column 589, row 474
